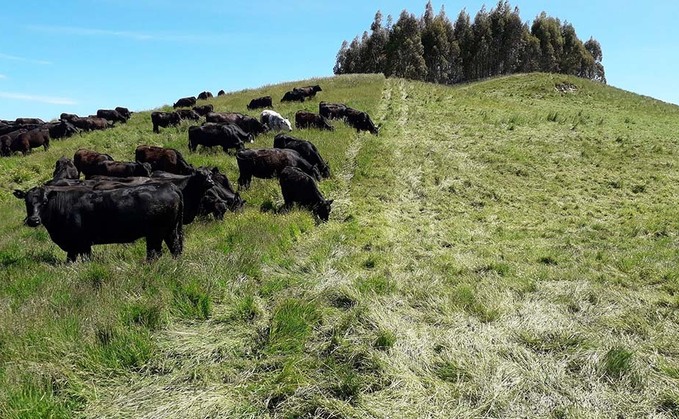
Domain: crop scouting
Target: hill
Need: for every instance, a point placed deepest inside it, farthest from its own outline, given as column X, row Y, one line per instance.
column 505, row 248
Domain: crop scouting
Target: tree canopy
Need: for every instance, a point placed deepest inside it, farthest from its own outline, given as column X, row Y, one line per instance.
column 496, row 42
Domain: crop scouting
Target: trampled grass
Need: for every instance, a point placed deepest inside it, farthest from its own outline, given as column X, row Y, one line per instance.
column 501, row 249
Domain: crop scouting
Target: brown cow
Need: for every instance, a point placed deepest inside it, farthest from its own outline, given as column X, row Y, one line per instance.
column 31, row 139
column 305, row 119
column 165, row 159
column 84, row 158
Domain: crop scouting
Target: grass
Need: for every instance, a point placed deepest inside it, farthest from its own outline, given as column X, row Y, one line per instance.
column 500, row 249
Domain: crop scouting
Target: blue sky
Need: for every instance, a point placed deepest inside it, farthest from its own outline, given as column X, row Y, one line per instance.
column 78, row 56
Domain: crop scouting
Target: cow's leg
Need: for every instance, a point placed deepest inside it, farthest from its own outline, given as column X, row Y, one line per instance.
column 155, row 128
column 153, row 248
column 244, row 181
column 71, row 256
column 175, row 240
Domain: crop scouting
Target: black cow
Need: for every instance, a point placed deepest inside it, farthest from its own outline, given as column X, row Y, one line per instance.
column 361, row 121
column 65, row 169
column 111, row 115
column 332, row 110
column 293, row 96
column 221, row 197
column 164, row 119
column 189, row 114
column 185, row 102
column 6, row 141
column 204, row 109
column 77, row 217
column 267, row 163
column 305, row 119
column 308, row 91
column 124, row 112
column 117, row 169
column 221, row 93
column 299, row 188
column 68, row 116
column 84, row 158
column 261, row 102
column 27, row 121
column 247, row 123
column 204, row 95
column 306, row 149
column 29, row 140
column 223, row 135
column 165, row 159
column 193, row 188
column 62, row 129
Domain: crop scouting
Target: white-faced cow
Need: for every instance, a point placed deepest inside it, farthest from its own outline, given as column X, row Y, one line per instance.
column 275, row 121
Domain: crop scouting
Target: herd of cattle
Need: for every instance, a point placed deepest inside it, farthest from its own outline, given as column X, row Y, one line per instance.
column 158, row 193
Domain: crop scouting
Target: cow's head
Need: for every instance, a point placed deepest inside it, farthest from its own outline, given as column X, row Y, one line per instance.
column 322, row 209
column 317, row 88
column 35, row 199
column 316, row 173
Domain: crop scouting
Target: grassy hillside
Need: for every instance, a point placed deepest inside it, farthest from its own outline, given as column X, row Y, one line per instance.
column 502, row 249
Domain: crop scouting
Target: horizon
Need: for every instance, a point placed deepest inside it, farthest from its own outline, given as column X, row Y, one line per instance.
column 146, row 54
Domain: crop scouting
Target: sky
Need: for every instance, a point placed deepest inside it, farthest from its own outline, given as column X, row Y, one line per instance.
column 78, row 56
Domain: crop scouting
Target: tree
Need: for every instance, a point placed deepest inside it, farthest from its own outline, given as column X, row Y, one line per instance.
column 405, row 54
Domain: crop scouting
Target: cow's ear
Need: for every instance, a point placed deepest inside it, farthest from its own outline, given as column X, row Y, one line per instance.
column 19, row 193
column 329, row 201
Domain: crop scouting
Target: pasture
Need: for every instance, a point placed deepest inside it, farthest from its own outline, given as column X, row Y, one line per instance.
column 506, row 248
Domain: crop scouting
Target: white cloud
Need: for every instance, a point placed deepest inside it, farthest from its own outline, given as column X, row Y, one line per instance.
column 41, row 99
column 2, row 76
column 137, row 36
column 27, row 60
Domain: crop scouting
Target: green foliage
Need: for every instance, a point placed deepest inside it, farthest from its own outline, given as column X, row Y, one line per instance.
column 496, row 43
column 617, row 363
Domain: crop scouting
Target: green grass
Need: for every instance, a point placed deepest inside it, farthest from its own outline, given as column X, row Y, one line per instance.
column 500, row 249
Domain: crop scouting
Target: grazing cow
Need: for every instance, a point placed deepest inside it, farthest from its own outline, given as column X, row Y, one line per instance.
column 28, row 140
column 90, row 123
column 189, row 114
column 62, row 129
column 27, row 121
column 65, row 169
column 275, row 121
column 305, row 119
column 221, row 197
column 68, row 116
column 117, row 169
column 261, row 102
column 308, row 91
column 332, row 110
column 185, row 102
column 221, row 93
column 204, row 95
column 164, row 119
column 204, row 109
column 6, row 141
column 165, row 159
column 193, row 188
column 306, row 149
column 267, row 163
column 293, row 96
column 247, row 123
column 361, row 121
column 84, row 158
column 111, row 115
column 124, row 112
column 77, row 217
column 223, row 135
column 299, row 188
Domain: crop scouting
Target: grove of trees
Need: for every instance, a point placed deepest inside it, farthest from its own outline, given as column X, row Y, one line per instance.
column 496, row 42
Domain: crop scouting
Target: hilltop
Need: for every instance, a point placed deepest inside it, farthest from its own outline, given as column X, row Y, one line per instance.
column 504, row 248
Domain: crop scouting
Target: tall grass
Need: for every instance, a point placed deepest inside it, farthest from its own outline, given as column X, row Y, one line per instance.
column 500, row 249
